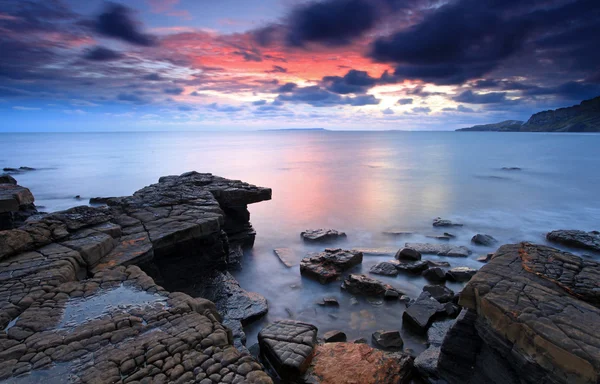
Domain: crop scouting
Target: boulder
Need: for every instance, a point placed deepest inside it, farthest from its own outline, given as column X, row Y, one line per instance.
column 334, row 337
column 384, row 268
column 440, row 249
column 439, row 292
column 363, row 285
column 460, row 274
column 420, row 314
column 328, row 265
column 286, row 255
column 408, row 253
column 322, row 235
column 7, row 179
column 576, row 239
column 388, row 339
column 339, row 363
column 439, row 222
column 288, row 346
column 485, row 240
column 416, row 268
column 436, row 275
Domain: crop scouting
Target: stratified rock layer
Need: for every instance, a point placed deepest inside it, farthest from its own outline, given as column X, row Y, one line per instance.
column 533, row 315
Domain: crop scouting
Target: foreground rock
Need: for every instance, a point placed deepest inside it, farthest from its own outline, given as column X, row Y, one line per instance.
column 328, row 265
column 420, row 314
column 427, row 361
column 322, row 235
column 440, row 249
column 439, row 222
column 7, row 179
column 338, row 363
column 576, row 239
column 16, row 204
column 366, row 286
column 532, row 317
column 288, row 347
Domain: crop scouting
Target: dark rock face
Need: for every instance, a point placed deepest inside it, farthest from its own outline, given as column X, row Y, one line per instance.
column 322, row 235
column 334, row 337
column 328, row 266
column 460, row 274
column 16, row 204
column 436, row 275
column 286, row 256
column 384, row 268
column 416, row 268
column 408, row 253
column 576, row 239
column 427, row 361
column 388, row 339
column 440, row 249
column 533, row 314
column 336, row 363
column 288, row 346
column 441, row 293
column 420, row 314
column 485, row 240
column 439, row 222
column 7, row 179
column 363, row 285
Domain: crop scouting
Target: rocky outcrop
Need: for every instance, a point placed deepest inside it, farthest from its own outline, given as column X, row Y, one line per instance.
column 322, row 235
column 576, row 239
column 339, row 363
column 328, row 265
column 16, row 203
column 532, row 316
column 366, row 286
column 503, row 126
column 440, row 249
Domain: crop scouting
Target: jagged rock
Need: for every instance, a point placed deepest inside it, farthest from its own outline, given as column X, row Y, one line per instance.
column 388, row 339
column 7, row 179
column 384, row 268
column 427, row 361
column 436, row 275
column 576, row 239
column 441, row 293
column 336, row 363
column 322, row 235
column 363, row 285
column 334, row 337
column 440, row 249
column 460, row 274
column 439, row 222
column 420, row 314
column 286, row 255
column 485, row 240
column 416, row 268
column 328, row 266
column 408, row 253
column 288, row 346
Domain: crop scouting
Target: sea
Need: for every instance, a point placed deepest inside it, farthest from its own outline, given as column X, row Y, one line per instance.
column 362, row 183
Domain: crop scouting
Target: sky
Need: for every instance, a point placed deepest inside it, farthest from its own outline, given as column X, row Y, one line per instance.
column 167, row 65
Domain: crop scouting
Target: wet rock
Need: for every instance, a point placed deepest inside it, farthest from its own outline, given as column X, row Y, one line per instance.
column 384, row 268
column 576, row 239
column 366, row 286
column 288, row 346
column 482, row 239
column 441, row 293
column 436, row 275
column 286, row 255
column 334, row 337
column 7, row 179
column 460, row 274
column 322, row 235
column 388, row 339
column 485, row 258
column 420, row 314
column 408, row 253
column 416, row 268
column 329, row 302
column 328, row 266
column 440, row 249
column 427, row 361
column 336, row 363
column 439, row 222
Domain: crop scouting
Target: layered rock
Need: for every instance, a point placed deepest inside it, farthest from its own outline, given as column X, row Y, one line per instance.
column 440, row 249
column 328, row 265
column 532, row 316
column 576, row 239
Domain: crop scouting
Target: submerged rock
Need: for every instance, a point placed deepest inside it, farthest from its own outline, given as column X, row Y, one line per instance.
column 440, row 249
column 338, row 363
column 460, row 274
column 439, row 222
column 420, row 314
column 366, row 286
column 485, row 240
column 322, row 235
column 388, row 339
column 328, row 265
column 384, row 268
column 286, row 255
column 576, row 239
column 408, row 253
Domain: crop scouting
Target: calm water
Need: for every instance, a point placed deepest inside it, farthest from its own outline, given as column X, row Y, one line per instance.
column 358, row 182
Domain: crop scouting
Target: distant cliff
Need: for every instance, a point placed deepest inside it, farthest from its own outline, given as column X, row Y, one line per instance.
column 584, row 117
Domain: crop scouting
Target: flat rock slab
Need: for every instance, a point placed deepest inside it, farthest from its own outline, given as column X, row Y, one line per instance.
column 366, row 286
column 420, row 314
column 344, row 363
column 576, row 239
column 328, row 265
column 288, row 346
column 286, row 255
column 322, row 235
column 440, row 249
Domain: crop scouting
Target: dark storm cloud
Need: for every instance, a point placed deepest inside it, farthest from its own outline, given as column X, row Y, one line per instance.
column 571, row 90
column 470, row 97
column 287, row 87
column 352, row 82
column 117, row 21
column 405, row 101
column 102, row 54
column 320, row 97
